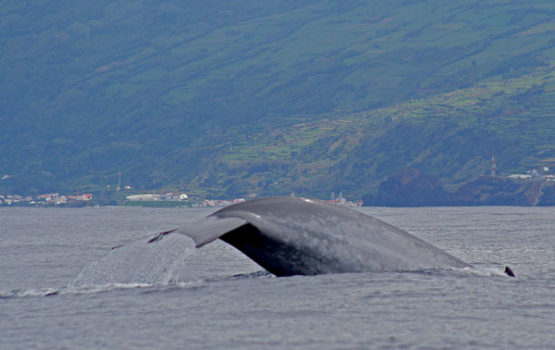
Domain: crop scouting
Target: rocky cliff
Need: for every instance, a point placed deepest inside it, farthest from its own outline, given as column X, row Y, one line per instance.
column 411, row 187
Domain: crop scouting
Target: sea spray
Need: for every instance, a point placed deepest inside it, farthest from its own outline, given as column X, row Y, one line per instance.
column 138, row 263
column 172, row 260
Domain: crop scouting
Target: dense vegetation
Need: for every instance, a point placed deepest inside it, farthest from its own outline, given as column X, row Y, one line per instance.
column 226, row 98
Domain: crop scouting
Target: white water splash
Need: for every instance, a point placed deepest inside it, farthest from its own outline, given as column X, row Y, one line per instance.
column 172, row 260
column 139, row 264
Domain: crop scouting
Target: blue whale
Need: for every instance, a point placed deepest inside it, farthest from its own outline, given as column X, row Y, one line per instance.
column 296, row 236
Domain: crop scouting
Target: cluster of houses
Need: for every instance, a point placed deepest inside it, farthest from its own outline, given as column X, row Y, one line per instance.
column 335, row 200
column 541, row 173
column 56, row 199
column 44, row 199
column 155, row 197
column 181, row 197
column 216, row 203
column 342, row 201
column 213, row 203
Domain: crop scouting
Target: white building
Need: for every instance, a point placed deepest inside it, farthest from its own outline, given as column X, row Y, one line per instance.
column 144, row 197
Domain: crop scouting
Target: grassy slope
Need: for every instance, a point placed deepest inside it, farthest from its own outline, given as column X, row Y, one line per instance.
column 450, row 135
column 307, row 97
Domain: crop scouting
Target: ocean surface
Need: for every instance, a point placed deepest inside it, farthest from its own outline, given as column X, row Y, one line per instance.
column 62, row 286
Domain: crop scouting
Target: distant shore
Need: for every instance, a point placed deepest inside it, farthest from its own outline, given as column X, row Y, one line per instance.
column 411, row 187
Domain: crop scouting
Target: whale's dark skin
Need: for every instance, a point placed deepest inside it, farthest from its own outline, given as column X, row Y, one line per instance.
column 296, row 236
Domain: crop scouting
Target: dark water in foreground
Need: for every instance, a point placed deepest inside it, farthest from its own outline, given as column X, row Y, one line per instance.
column 62, row 287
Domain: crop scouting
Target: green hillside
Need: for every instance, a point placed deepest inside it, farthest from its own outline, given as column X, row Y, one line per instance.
column 450, row 135
column 271, row 97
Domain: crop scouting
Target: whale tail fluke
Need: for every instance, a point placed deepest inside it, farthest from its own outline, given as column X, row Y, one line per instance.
column 205, row 230
column 296, row 236
column 509, row 272
column 160, row 236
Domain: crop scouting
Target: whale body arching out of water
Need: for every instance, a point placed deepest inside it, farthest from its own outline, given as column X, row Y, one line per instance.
column 295, row 236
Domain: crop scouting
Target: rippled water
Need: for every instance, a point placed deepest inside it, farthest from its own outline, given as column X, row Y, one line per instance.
column 62, row 286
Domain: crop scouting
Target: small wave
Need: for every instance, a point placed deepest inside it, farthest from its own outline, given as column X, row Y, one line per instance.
column 252, row 275
column 480, row 271
column 108, row 287
column 94, row 289
column 488, row 271
column 26, row 293
column 122, row 286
